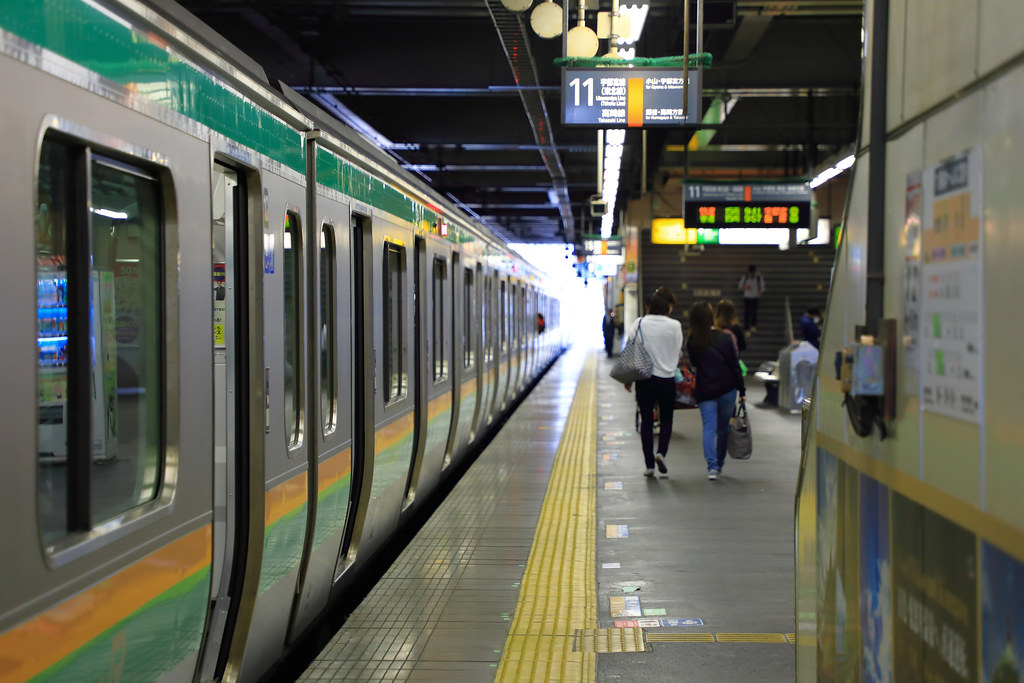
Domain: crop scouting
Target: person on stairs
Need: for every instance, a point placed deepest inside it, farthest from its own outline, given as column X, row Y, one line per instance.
column 752, row 286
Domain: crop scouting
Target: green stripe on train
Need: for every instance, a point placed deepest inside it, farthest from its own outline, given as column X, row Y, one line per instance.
column 86, row 36
column 282, row 547
column 332, row 509
column 147, row 644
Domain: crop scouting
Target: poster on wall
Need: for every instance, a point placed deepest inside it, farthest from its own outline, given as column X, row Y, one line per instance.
column 910, row 240
column 839, row 629
column 1002, row 615
column 951, row 308
column 934, row 576
column 875, row 582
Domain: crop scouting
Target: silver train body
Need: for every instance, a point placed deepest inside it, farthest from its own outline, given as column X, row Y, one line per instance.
column 241, row 347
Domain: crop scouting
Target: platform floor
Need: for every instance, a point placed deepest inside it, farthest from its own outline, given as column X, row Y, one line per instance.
column 555, row 559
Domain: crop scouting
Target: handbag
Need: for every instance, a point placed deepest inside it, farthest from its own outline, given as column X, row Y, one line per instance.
column 740, row 443
column 686, row 387
column 634, row 363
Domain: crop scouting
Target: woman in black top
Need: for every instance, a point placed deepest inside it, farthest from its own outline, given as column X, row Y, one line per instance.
column 713, row 354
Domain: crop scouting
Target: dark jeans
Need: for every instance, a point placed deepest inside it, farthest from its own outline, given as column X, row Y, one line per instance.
column 660, row 391
column 750, row 312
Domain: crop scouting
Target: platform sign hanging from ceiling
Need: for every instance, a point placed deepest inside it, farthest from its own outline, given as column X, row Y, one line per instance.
column 623, row 97
column 747, row 206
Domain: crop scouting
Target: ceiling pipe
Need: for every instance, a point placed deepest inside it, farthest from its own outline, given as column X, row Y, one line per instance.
column 515, row 43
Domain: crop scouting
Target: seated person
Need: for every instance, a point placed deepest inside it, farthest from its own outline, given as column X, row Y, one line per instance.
column 810, row 326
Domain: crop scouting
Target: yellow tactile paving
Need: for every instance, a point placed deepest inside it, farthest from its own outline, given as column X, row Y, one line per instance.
column 751, row 637
column 604, row 640
column 558, row 596
column 679, row 637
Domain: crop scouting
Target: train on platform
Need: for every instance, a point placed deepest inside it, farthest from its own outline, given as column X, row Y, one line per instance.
column 243, row 347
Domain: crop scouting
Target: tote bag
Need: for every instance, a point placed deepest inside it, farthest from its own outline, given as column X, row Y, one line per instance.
column 740, row 444
column 634, row 363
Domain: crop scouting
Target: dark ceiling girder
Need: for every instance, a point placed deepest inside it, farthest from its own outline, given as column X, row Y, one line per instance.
column 514, row 38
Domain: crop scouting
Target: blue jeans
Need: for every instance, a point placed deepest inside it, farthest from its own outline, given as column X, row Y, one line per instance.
column 715, row 415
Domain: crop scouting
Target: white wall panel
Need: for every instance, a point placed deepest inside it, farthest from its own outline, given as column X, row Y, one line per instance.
column 1001, row 27
column 1003, row 277
column 940, row 52
column 953, row 130
column 897, row 55
column 903, row 156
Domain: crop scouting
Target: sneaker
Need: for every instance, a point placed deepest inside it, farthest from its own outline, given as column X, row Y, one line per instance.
column 712, row 474
column 660, row 460
column 648, row 473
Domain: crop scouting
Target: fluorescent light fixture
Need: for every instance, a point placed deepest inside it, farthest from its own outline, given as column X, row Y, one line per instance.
column 776, row 236
column 614, row 140
column 107, row 213
column 637, row 17
column 832, row 172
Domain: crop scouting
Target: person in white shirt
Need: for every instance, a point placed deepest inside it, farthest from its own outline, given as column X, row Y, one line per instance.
column 752, row 285
column 662, row 336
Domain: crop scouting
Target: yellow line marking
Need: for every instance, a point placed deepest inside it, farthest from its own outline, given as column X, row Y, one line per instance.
column 750, row 637
column 791, row 637
column 679, row 637
column 558, row 597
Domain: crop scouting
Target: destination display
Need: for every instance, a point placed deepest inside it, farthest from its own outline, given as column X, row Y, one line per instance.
column 622, row 97
column 747, row 206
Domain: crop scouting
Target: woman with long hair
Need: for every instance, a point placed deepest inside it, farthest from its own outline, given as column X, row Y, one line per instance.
column 713, row 355
column 725, row 320
column 662, row 336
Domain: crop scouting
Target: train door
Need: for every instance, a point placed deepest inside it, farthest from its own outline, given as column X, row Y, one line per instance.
column 238, row 466
column 421, row 358
column 433, row 365
column 487, row 348
column 503, row 350
column 456, row 355
column 287, row 344
column 363, row 389
column 329, row 419
column 468, row 359
column 383, row 449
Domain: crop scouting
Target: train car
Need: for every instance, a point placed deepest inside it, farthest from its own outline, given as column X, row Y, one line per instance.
column 243, row 346
column 910, row 519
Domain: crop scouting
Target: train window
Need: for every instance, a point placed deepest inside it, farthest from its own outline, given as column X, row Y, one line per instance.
column 440, row 355
column 328, row 331
column 292, row 330
column 467, row 323
column 100, row 324
column 394, row 339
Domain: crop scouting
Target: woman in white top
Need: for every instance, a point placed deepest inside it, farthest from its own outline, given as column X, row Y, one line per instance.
column 662, row 336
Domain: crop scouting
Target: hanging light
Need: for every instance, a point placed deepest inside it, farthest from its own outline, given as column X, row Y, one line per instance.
column 546, row 19
column 516, row 5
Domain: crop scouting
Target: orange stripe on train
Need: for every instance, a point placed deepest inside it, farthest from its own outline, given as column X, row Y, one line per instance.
column 41, row 642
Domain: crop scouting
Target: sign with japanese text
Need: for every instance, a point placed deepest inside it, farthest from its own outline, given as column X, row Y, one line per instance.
column 624, row 97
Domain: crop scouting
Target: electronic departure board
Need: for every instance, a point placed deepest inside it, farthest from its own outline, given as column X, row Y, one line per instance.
column 623, row 97
column 747, row 206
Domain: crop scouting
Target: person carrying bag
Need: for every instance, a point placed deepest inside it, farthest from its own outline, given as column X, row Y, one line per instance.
column 634, row 363
column 661, row 339
column 740, row 444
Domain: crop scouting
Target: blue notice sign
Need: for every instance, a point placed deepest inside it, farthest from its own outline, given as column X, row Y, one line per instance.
column 681, row 622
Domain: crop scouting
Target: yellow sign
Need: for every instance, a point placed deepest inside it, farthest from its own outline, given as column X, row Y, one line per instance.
column 672, row 231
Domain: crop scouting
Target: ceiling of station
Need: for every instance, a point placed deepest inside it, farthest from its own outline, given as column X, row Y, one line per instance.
column 466, row 95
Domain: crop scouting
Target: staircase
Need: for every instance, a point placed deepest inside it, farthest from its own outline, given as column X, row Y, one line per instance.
column 801, row 274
